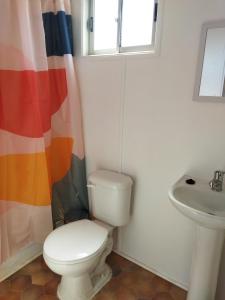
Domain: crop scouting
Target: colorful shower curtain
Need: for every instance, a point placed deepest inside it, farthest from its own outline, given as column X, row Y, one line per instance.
column 42, row 166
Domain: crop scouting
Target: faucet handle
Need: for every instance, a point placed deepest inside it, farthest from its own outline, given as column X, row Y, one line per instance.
column 217, row 183
column 218, row 175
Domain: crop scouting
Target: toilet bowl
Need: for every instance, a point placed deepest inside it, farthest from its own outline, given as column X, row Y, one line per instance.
column 77, row 251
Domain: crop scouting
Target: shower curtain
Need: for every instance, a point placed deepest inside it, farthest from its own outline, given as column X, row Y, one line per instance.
column 42, row 166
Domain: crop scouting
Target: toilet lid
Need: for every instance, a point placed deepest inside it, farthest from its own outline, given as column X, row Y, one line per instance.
column 75, row 241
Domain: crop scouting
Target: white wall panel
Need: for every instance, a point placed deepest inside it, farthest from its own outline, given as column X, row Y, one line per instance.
column 101, row 91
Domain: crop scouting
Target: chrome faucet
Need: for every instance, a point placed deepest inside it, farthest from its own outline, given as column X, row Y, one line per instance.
column 216, row 183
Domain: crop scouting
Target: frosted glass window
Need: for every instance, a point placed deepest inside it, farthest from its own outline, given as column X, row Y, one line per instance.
column 137, row 22
column 105, row 24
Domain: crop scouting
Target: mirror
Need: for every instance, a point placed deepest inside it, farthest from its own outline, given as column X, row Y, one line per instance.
column 210, row 75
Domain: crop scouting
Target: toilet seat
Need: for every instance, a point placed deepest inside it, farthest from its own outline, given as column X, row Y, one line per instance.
column 75, row 242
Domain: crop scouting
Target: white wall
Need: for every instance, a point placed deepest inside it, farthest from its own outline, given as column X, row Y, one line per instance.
column 139, row 118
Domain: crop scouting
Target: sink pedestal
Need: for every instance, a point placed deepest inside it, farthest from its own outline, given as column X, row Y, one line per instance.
column 195, row 200
column 205, row 263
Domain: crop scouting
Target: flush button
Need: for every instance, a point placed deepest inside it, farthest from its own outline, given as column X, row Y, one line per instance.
column 190, row 181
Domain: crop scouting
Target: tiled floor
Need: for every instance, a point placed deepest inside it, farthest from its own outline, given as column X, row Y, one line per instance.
column 130, row 282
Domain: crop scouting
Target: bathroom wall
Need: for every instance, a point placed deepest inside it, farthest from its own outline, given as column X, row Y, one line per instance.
column 139, row 118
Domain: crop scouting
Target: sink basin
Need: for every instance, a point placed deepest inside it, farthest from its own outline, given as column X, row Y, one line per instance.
column 198, row 202
column 195, row 200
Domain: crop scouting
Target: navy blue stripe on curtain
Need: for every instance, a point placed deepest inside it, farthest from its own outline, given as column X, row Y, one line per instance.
column 58, row 33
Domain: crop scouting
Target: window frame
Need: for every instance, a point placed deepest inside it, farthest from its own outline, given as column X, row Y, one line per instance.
column 119, row 49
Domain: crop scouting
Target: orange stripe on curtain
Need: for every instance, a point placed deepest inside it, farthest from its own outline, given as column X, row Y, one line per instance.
column 28, row 178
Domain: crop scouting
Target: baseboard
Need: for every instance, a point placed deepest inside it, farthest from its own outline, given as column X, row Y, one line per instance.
column 22, row 258
column 154, row 271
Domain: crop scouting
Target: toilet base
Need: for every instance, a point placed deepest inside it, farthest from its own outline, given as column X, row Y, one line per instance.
column 101, row 280
column 84, row 287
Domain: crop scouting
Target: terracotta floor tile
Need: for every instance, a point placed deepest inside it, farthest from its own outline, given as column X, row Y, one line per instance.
column 144, row 274
column 162, row 296
column 51, row 286
column 160, row 284
column 33, row 267
column 21, row 282
column 32, row 293
column 112, row 284
column 11, row 296
column 123, row 293
column 117, row 260
column 42, row 277
column 127, row 279
column 116, row 270
column 42, row 262
column 143, row 288
column 177, row 293
column 48, row 297
column 5, row 287
column 103, row 295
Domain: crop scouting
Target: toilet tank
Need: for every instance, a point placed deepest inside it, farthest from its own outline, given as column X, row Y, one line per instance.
column 110, row 195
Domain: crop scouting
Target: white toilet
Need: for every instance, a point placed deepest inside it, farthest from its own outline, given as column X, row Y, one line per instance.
column 77, row 251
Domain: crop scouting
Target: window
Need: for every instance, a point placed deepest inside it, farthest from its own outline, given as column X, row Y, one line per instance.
column 118, row 26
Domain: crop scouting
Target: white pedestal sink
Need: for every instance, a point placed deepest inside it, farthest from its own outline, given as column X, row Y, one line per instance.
column 198, row 202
